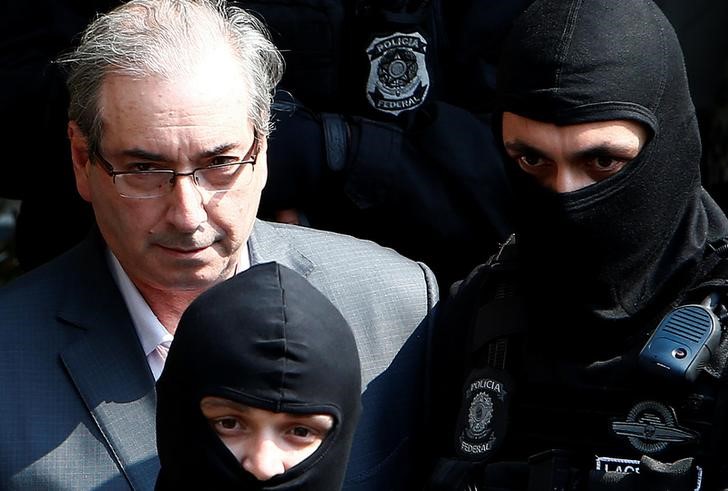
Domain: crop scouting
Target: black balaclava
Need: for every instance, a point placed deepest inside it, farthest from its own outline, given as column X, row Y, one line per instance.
column 265, row 338
column 614, row 248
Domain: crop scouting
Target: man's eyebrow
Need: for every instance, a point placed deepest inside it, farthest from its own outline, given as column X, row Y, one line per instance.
column 523, row 148
column 324, row 420
column 220, row 149
column 606, row 149
column 138, row 153
column 222, row 402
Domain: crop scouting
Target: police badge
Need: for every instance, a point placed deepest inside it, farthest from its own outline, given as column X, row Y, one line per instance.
column 483, row 414
column 398, row 78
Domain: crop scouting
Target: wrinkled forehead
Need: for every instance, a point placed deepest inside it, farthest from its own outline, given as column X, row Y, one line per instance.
column 207, row 74
column 177, row 110
column 158, row 95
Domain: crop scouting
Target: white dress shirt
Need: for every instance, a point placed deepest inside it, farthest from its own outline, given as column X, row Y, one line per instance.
column 150, row 331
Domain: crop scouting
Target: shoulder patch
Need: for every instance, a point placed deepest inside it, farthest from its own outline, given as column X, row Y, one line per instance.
column 483, row 416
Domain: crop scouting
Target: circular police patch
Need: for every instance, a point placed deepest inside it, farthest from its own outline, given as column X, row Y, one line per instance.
column 398, row 78
column 483, row 414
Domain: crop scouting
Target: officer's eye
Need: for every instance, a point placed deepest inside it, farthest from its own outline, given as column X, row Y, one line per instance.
column 303, row 435
column 301, row 431
column 227, row 425
column 607, row 163
column 529, row 160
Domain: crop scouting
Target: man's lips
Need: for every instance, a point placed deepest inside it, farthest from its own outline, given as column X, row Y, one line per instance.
column 188, row 251
column 184, row 250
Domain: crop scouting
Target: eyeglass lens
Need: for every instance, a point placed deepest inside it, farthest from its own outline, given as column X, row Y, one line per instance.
column 160, row 182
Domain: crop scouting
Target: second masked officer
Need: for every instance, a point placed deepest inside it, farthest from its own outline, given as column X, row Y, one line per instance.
column 589, row 353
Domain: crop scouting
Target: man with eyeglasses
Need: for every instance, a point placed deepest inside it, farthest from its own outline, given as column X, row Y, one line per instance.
column 169, row 118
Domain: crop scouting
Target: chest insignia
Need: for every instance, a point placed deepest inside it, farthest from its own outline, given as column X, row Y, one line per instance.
column 651, row 427
column 398, row 78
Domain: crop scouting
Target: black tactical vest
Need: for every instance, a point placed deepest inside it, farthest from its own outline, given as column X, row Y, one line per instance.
column 532, row 417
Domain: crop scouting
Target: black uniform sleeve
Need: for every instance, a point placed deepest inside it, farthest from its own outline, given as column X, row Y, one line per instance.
column 449, row 367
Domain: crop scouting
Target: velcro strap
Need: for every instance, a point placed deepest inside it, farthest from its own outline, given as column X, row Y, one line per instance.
column 682, row 475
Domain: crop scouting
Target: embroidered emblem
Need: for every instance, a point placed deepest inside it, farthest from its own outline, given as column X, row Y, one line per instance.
column 483, row 416
column 398, row 78
column 479, row 416
column 651, row 428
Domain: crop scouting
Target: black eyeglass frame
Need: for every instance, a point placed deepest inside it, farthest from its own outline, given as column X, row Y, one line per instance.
column 108, row 167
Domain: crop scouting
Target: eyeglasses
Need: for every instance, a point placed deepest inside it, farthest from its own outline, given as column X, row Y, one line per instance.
column 154, row 183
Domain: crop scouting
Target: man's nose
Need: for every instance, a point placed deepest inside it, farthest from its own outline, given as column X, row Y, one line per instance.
column 187, row 211
column 263, row 459
column 569, row 178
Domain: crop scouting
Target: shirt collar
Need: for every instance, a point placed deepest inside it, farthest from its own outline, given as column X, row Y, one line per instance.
column 149, row 330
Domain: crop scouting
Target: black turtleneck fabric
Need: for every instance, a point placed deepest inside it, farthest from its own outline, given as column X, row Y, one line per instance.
column 618, row 246
column 268, row 339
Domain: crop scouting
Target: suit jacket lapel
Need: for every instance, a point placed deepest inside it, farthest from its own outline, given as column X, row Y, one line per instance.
column 107, row 364
column 109, row 369
column 267, row 244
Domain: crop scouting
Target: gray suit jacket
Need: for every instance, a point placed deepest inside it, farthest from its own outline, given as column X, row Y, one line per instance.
column 77, row 402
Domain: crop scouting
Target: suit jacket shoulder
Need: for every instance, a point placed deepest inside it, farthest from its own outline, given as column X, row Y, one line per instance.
column 383, row 295
column 386, row 298
column 78, row 399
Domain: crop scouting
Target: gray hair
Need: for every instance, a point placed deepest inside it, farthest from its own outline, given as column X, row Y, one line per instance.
column 143, row 38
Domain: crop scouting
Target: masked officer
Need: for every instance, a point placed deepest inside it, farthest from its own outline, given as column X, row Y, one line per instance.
column 588, row 353
column 261, row 389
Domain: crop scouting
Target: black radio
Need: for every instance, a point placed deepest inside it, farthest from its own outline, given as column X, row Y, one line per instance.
column 684, row 341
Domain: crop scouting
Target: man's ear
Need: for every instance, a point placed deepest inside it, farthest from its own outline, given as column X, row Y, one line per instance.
column 81, row 160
